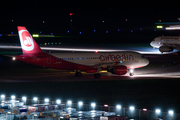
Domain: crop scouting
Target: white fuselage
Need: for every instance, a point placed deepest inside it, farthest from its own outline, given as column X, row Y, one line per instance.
column 127, row 58
column 160, row 41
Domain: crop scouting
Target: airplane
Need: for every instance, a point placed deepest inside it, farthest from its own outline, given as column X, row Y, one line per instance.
column 166, row 43
column 115, row 62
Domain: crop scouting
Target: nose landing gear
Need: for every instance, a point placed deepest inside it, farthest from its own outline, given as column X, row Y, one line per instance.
column 78, row 74
column 131, row 72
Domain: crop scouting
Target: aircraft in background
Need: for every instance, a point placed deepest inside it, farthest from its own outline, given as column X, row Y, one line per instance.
column 166, row 43
column 115, row 62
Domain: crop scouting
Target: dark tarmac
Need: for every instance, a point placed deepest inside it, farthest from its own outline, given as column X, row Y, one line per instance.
column 151, row 87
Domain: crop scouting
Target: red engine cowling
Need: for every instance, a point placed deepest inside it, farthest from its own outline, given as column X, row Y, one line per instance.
column 119, row 70
column 91, row 71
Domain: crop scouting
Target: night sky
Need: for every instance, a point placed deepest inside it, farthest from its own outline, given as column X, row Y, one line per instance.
column 88, row 11
column 87, row 15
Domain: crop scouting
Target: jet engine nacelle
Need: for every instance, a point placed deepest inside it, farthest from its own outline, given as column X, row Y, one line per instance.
column 118, row 70
column 165, row 49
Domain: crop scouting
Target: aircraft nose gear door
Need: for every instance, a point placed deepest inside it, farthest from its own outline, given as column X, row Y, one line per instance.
column 48, row 59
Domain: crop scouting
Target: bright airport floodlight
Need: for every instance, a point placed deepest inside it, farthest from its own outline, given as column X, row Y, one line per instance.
column 105, row 105
column 35, row 98
column 171, row 113
column 80, row 103
column 158, row 111
column 13, row 97
column 69, row 102
column 58, row 101
column 131, row 108
column 2, row 96
column 93, row 105
column 24, row 98
column 118, row 106
column 46, row 100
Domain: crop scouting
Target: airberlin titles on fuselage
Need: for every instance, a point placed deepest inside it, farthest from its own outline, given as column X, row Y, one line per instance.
column 116, row 58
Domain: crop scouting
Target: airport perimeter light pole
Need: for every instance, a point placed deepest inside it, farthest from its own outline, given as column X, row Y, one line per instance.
column 93, row 105
column 118, row 109
column 69, row 103
column 35, row 99
column 131, row 108
column 3, row 97
column 24, row 99
column 157, row 112
column 171, row 113
column 80, row 104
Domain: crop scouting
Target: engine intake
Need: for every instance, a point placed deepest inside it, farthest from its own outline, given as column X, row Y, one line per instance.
column 165, row 49
column 118, row 70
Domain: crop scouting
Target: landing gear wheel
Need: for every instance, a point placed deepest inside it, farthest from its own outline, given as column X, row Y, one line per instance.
column 131, row 74
column 78, row 74
column 97, row 75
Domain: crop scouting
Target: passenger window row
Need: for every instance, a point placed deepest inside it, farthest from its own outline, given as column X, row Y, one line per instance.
column 77, row 58
column 89, row 58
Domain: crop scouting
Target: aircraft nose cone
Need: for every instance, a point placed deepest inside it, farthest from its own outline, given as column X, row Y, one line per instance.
column 151, row 43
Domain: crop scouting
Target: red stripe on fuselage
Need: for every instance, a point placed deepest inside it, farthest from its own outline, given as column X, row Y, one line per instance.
column 50, row 61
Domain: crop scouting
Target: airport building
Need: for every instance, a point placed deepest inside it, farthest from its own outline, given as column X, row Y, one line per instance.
column 13, row 108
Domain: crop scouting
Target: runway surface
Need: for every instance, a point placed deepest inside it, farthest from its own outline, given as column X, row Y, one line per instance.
column 141, row 74
column 31, row 73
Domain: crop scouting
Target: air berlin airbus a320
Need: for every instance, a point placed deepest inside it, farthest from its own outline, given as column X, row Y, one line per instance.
column 116, row 62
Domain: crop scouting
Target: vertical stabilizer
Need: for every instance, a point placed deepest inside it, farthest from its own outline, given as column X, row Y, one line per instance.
column 28, row 44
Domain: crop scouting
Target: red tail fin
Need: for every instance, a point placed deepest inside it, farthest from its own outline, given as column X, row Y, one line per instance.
column 28, row 44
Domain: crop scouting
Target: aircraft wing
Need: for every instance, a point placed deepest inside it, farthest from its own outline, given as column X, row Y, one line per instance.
column 104, row 65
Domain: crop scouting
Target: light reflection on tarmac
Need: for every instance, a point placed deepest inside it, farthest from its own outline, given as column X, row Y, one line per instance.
column 140, row 74
column 88, row 77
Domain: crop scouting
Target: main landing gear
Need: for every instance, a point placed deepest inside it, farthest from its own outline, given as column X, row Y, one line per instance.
column 78, row 74
column 97, row 75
